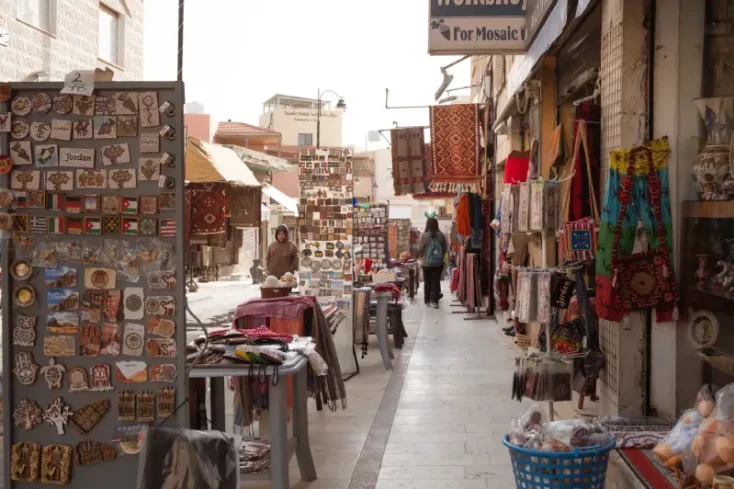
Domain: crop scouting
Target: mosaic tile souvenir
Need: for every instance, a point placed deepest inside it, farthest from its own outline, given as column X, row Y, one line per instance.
column 129, row 205
column 111, row 340
column 148, row 106
column 133, row 339
column 19, row 128
column 53, row 373
column 73, row 204
column 149, row 204
column 59, row 346
column 40, row 131
column 86, row 418
column 104, row 106
column 84, row 105
column 59, row 181
column 150, row 142
column 74, row 225
column 56, row 464
column 61, row 129
column 5, row 123
column 166, row 401
column 133, row 303
column 63, row 104
column 24, row 332
column 36, row 199
column 25, row 461
column 111, row 225
column 76, row 157
column 162, row 280
column 20, row 153
column 62, row 323
column 83, row 129
column 6, row 91
column 127, row 126
column 41, row 103
column 93, row 226
column 128, row 372
column 126, row 103
column 57, row 414
column 167, row 228
column 47, row 155
column 105, row 127
column 161, row 347
column 25, row 369
column 149, row 169
column 25, row 180
column 115, row 154
column 91, row 203
column 21, row 105
column 27, row 414
column 119, row 179
column 100, row 278
column 7, row 197
column 90, row 340
column 78, row 379
column 148, row 227
column 56, row 225
column 164, row 328
column 21, row 223
column 145, row 409
column 126, row 406
column 91, row 179
column 130, row 226
column 111, row 204
column 63, row 300
column 163, row 373
column 167, row 201
column 160, row 306
column 89, row 452
column 6, row 222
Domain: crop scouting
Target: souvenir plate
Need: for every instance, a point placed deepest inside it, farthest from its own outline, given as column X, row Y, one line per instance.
column 42, row 103
column 19, row 128
column 21, row 270
column 63, row 104
column 21, row 105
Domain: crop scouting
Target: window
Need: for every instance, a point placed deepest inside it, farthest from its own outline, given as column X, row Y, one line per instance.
column 305, row 139
column 38, row 13
column 109, row 35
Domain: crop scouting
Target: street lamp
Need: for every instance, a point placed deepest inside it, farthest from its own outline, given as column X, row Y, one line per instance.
column 339, row 105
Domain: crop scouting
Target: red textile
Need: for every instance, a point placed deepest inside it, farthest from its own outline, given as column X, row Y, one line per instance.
column 455, row 280
column 265, row 332
column 463, row 221
column 516, row 169
column 392, row 288
column 456, row 143
column 209, row 207
column 290, row 307
column 367, row 265
column 580, row 195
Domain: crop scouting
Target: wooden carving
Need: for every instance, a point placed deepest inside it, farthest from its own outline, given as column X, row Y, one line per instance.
column 91, row 452
column 146, row 406
column 126, row 403
column 56, row 464
column 87, row 417
column 166, row 401
column 25, row 461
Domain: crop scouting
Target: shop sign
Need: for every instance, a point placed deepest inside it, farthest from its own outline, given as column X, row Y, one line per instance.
column 463, row 27
column 537, row 12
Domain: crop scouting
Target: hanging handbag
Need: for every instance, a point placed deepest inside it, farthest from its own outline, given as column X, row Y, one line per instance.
column 643, row 280
column 594, row 360
column 577, row 240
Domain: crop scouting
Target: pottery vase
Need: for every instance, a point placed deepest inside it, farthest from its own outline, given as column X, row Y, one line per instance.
column 711, row 171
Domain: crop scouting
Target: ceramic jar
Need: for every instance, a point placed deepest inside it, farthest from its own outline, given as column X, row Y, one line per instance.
column 712, row 169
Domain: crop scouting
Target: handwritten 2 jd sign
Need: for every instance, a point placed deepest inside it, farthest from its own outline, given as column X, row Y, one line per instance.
column 464, row 27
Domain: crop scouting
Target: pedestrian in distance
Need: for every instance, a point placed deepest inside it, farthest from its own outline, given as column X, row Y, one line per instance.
column 282, row 254
column 432, row 252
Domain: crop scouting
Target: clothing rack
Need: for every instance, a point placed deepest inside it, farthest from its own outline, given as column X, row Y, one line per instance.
column 478, row 309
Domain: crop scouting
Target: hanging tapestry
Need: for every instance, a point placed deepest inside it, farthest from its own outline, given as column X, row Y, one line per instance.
column 209, row 207
column 639, row 221
column 456, row 145
column 409, row 171
column 585, row 163
column 245, row 206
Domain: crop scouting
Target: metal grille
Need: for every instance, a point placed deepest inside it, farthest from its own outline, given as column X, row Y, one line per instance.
column 611, row 130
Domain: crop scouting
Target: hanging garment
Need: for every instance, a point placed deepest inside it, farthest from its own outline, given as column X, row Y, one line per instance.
column 456, row 145
column 409, row 160
column 463, row 220
column 523, row 208
column 516, row 168
column 477, row 221
column 585, row 163
column 537, row 205
column 638, row 219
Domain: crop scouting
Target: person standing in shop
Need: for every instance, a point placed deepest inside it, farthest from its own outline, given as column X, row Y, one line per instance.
column 432, row 252
column 282, row 254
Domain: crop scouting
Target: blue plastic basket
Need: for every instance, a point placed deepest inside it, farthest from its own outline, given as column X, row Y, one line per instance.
column 584, row 468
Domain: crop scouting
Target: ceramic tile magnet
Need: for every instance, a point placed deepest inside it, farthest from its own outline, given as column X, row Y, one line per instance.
column 59, row 181
column 167, row 201
column 63, row 104
column 91, row 179
column 105, row 106
column 148, row 227
column 105, row 127
column 73, row 204
column 90, row 340
column 111, row 340
column 148, row 106
column 119, row 179
column 149, row 204
column 128, row 372
column 127, row 126
column 130, row 226
column 62, row 300
column 25, row 461
column 167, row 228
column 133, row 340
column 27, row 414
column 100, row 375
column 41, row 103
column 36, row 199
column 57, row 414
column 160, row 306
column 24, row 333
column 83, row 129
column 164, row 328
column 61, row 129
column 133, row 303
column 84, row 105
column 5, row 123
column 25, row 369
column 20, row 153
column 111, row 225
column 55, row 201
column 162, row 280
column 76, row 157
column 63, row 323
column 91, row 203
column 22, row 105
column 77, row 379
column 93, row 226
column 53, row 373
column 47, row 155
column 150, row 142
column 163, row 373
column 40, row 131
column 19, row 128
column 115, row 154
column 161, row 347
column 129, row 205
column 100, row 278
column 126, row 103
column 75, row 225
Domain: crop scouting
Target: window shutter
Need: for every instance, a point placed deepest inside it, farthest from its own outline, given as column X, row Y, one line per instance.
column 36, row 12
column 108, row 34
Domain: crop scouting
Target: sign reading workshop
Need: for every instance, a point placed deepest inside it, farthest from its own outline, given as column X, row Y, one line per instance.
column 462, row 27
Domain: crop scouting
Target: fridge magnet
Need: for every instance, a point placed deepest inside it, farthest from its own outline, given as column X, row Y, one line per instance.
column 112, row 301
column 111, row 340
column 110, row 225
column 21, row 105
column 75, row 225
column 56, row 464
column 92, row 305
column 133, row 340
column 6, row 164
column 131, row 372
column 25, row 180
column 6, row 222
column 148, row 227
column 166, row 401
column 19, row 128
column 63, row 300
column 167, row 132
column 76, row 157
column 149, row 169
column 167, row 109
column 86, row 418
column 149, row 115
column 126, row 103
column 167, row 201
column 21, row 270
column 127, row 126
column 55, row 201
column 47, row 155
column 77, row 379
column 24, row 332
column 167, row 228
column 20, row 198
column 126, row 406
column 63, row 323
column 61, row 129
column 164, row 305
column 82, row 129
column 7, row 198
column 90, row 452
column 25, row 369
column 130, row 226
column 129, row 205
column 53, row 373
column 73, row 204
column 6, row 91
column 5, row 122
column 100, row 278
column 57, row 414
column 40, row 131
column 149, row 142
column 168, row 160
column 27, row 414
column 63, row 104
column 25, row 461
column 88, row 178
column 60, row 277
column 100, row 375
column 93, row 226
column 90, row 339
column 111, row 204
column 104, row 106
column 161, row 347
column 56, row 225
column 162, row 280
column 163, row 373
column 36, row 199
column 91, row 203
column 145, row 406
column 59, row 181
column 120, row 179
column 164, row 328
column 24, row 296
column 83, row 105
column 133, row 303
column 21, row 223
column 20, row 153
column 115, row 154
column 59, row 346
column 149, row 204
column 41, row 103
column 105, row 127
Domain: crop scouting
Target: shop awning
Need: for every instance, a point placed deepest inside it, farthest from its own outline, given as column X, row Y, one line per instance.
column 288, row 202
column 206, row 163
column 256, row 160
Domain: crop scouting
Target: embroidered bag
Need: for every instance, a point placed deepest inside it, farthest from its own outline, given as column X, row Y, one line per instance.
column 523, row 219
column 562, row 290
column 643, row 280
column 537, row 205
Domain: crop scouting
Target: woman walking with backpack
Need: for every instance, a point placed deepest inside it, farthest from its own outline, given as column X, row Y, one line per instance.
column 432, row 250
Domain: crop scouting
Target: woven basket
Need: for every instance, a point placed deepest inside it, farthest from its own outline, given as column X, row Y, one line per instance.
column 274, row 292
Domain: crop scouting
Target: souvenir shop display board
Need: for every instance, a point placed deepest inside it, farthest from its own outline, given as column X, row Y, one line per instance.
column 326, row 252
column 370, row 232
column 93, row 305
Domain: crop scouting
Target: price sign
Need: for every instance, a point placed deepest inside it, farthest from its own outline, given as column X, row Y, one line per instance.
column 79, row 83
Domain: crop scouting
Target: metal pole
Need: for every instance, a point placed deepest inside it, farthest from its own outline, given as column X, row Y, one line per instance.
column 180, row 38
column 318, row 121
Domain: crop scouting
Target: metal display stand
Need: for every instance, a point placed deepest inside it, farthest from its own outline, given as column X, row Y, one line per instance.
column 165, row 224
column 369, row 228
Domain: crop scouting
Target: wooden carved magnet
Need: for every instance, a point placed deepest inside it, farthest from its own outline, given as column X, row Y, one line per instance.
column 161, row 347
column 89, row 452
column 27, row 414
column 57, row 414
column 100, row 374
column 54, row 374
column 78, row 379
column 56, row 464
column 25, row 461
column 25, row 369
column 166, row 401
column 87, row 417
column 126, row 405
column 146, row 406
column 24, row 333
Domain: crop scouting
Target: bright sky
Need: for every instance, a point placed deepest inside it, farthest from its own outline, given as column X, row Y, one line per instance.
column 238, row 53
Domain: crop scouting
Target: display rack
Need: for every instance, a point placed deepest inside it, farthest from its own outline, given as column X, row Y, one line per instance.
column 371, row 233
